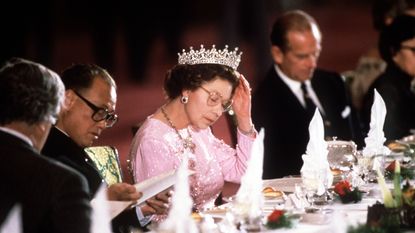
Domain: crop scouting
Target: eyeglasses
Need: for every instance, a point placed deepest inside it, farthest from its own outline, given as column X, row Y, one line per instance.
column 215, row 98
column 100, row 113
column 408, row 47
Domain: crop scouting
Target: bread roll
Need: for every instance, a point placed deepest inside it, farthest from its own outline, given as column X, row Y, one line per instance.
column 196, row 216
column 271, row 192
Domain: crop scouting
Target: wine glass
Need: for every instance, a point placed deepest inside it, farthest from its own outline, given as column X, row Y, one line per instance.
column 364, row 166
column 316, row 184
column 300, row 194
column 311, row 186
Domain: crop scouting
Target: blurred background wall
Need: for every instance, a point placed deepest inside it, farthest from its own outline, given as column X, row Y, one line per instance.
column 138, row 44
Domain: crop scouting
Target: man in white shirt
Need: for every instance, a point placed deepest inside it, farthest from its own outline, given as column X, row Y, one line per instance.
column 284, row 108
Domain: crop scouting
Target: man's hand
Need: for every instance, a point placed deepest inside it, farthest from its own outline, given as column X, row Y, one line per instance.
column 158, row 204
column 123, row 192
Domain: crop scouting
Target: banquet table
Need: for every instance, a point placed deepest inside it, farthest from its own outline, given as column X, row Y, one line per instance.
column 343, row 215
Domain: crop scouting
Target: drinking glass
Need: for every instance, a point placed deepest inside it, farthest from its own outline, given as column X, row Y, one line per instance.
column 311, row 184
column 300, row 194
column 244, row 218
column 364, row 166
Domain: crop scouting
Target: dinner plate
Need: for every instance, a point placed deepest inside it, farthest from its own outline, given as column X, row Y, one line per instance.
column 217, row 211
column 318, row 217
column 274, row 202
column 283, row 184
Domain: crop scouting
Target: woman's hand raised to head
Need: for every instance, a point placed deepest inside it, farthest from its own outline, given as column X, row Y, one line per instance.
column 242, row 104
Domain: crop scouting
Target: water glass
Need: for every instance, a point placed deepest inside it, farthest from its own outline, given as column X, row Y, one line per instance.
column 366, row 166
column 312, row 184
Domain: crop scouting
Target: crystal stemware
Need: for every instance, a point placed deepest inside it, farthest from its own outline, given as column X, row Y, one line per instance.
column 316, row 185
column 364, row 166
column 311, row 186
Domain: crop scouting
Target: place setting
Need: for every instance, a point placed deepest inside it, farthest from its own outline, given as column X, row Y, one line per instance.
column 339, row 188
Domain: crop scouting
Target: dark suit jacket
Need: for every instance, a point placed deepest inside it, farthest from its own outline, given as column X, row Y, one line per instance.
column 54, row 197
column 61, row 147
column 284, row 119
column 394, row 87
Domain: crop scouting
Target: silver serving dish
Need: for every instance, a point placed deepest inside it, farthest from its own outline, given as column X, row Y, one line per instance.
column 408, row 139
column 342, row 154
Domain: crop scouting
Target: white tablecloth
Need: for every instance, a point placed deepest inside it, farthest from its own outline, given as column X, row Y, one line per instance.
column 343, row 215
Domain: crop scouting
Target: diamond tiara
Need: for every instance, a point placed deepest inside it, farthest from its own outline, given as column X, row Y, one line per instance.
column 211, row 56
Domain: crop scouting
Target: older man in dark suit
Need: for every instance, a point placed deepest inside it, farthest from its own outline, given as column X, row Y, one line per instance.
column 53, row 197
column 286, row 99
column 90, row 109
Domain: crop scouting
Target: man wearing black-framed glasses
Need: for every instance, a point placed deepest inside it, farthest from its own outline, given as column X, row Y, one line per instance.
column 397, row 48
column 89, row 108
column 90, row 101
column 100, row 114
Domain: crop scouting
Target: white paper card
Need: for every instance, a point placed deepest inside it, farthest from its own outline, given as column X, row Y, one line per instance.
column 116, row 207
column 155, row 185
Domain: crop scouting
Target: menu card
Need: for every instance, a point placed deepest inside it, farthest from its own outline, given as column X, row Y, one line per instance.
column 155, row 185
column 148, row 188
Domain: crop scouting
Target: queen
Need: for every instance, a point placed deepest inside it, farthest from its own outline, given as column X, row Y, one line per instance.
column 199, row 89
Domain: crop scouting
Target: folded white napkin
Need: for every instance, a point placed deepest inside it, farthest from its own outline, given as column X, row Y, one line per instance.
column 249, row 199
column 100, row 212
column 316, row 170
column 13, row 222
column 376, row 137
column 180, row 218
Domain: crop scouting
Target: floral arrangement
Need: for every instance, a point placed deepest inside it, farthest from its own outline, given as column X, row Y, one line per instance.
column 410, row 150
column 408, row 194
column 366, row 229
column 406, row 173
column 346, row 193
column 397, row 211
column 389, row 200
column 278, row 219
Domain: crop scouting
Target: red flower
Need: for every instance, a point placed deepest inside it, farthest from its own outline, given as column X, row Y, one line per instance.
column 342, row 187
column 391, row 166
column 275, row 215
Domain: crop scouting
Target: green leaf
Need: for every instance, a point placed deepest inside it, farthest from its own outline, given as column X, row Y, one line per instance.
column 388, row 200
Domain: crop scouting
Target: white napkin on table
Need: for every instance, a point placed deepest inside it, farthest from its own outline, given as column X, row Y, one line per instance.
column 100, row 219
column 13, row 222
column 179, row 218
column 315, row 164
column 249, row 199
column 376, row 137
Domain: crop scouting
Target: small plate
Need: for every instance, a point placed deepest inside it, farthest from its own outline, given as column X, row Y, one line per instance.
column 286, row 185
column 317, row 216
column 216, row 211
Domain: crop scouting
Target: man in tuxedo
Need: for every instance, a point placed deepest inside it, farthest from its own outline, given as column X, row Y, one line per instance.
column 53, row 197
column 285, row 101
column 90, row 100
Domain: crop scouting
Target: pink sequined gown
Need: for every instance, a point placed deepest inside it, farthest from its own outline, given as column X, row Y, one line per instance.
column 156, row 149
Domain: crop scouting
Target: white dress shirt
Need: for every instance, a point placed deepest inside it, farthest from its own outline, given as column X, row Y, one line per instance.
column 295, row 87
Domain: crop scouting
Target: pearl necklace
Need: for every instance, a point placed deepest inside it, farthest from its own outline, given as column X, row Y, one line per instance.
column 187, row 142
